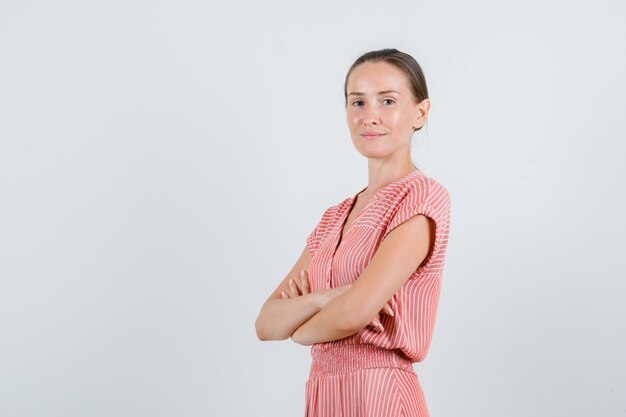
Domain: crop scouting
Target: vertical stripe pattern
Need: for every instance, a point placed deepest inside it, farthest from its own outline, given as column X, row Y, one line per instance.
column 370, row 373
column 362, row 380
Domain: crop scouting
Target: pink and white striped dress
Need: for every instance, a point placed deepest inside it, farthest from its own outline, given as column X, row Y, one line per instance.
column 370, row 374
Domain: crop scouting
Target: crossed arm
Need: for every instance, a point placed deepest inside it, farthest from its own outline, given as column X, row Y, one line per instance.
column 307, row 319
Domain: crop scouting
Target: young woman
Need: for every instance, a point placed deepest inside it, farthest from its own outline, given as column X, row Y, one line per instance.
column 365, row 290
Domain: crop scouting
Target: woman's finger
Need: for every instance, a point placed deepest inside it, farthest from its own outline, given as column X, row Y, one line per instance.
column 293, row 288
column 284, row 294
column 304, row 277
column 377, row 324
column 389, row 310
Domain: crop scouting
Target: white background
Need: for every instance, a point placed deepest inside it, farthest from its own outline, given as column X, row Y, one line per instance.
column 162, row 162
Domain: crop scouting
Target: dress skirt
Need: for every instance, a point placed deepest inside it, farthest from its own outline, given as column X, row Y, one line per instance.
column 362, row 380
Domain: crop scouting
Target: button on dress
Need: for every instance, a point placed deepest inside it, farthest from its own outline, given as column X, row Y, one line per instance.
column 370, row 373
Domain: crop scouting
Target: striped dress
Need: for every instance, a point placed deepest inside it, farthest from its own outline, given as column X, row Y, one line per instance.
column 370, row 374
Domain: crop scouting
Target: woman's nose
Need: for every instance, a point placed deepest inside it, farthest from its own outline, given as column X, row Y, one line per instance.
column 372, row 115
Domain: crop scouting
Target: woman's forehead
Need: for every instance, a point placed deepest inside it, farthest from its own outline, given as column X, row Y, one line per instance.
column 377, row 78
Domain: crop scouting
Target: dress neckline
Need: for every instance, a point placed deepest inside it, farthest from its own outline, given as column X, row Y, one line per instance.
column 384, row 188
column 351, row 201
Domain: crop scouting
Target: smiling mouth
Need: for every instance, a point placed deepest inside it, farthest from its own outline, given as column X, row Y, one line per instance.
column 372, row 136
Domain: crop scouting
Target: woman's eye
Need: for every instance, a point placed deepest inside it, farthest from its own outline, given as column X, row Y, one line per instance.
column 358, row 103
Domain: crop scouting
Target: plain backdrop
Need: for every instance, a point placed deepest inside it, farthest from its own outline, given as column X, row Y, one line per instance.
column 162, row 162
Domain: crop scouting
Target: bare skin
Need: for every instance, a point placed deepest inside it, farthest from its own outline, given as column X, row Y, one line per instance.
column 298, row 289
column 292, row 303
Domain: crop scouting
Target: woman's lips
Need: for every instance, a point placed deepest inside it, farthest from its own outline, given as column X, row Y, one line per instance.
column 371, row 136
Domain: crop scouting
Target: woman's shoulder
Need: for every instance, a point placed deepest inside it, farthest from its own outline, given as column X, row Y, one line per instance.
column 430, row 187
column 419, row 187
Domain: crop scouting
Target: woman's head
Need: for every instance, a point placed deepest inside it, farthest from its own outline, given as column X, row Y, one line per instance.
column 403, row 61
column 385, row 92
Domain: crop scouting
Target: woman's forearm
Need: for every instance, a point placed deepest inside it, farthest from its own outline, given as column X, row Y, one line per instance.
column 280, row 317
column 328, row 324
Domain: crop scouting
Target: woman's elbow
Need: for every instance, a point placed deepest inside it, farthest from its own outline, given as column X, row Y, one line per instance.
column 260, row 334
column 265, row 333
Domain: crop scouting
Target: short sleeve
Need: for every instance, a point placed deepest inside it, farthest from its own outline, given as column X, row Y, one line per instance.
column 320, row 231
column 312, row 242
column 431, row 199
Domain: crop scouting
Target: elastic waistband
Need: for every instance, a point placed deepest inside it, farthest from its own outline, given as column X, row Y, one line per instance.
column 339, row 358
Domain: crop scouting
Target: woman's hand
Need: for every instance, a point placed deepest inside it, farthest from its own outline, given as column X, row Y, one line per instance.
column 376, row 321
column 302, row 286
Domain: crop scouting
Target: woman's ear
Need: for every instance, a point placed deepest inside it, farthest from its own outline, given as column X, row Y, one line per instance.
column 421, row 112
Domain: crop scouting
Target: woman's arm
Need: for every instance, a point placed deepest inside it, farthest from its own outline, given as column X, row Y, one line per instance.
column 280, row 317
column 328, row 324
column 397, row 257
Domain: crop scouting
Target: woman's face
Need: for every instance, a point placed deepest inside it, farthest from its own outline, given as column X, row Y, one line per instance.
column 381, row 111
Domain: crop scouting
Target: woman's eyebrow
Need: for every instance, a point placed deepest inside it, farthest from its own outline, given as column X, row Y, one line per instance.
column 359, row 93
